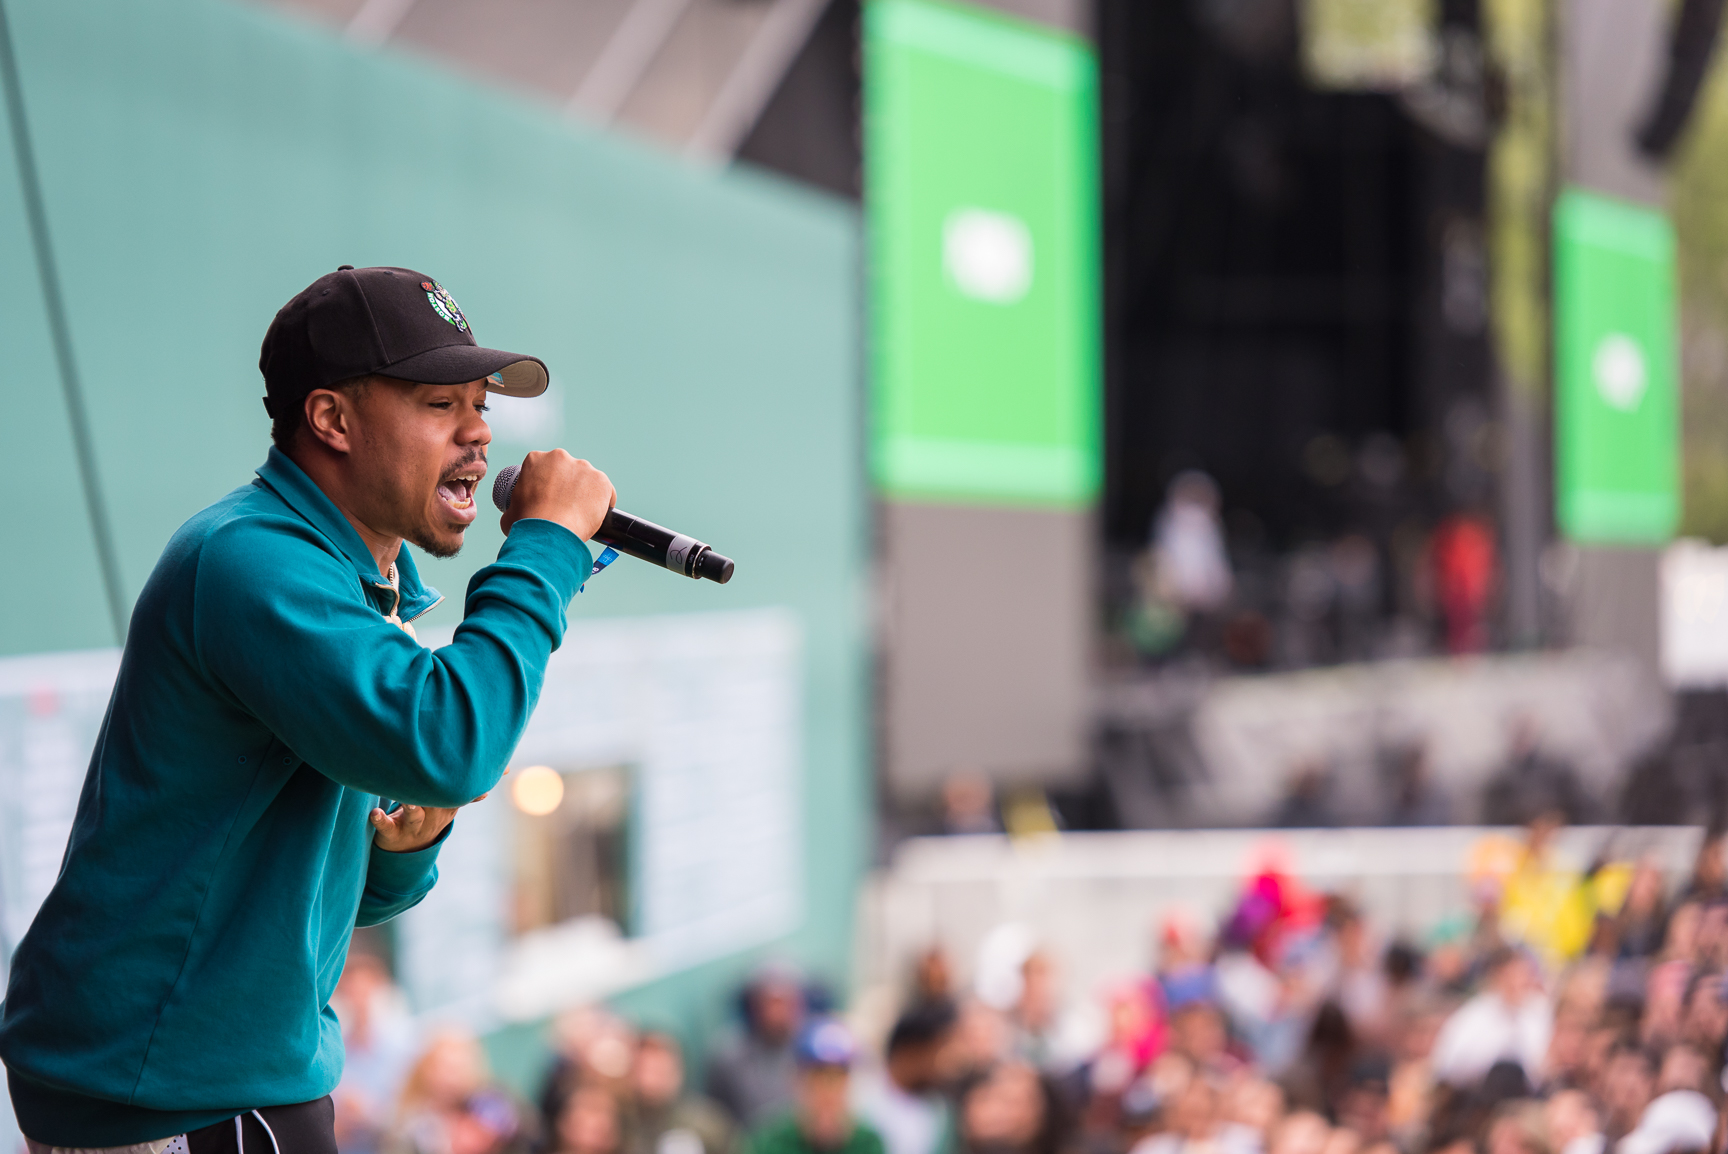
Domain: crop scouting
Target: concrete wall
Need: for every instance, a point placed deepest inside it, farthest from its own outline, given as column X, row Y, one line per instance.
column 1612, row 56
column 987, row 615
column 987, row 628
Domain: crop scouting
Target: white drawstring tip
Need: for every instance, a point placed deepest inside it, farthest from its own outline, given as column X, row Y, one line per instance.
column 273, row 1144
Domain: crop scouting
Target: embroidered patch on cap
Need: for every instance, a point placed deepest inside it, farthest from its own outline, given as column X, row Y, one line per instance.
column 445, row 304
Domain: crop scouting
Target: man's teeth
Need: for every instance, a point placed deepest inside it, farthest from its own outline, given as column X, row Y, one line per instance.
column 460, row 490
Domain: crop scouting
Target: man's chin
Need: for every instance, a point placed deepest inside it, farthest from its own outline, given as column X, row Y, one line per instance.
column 442, row 545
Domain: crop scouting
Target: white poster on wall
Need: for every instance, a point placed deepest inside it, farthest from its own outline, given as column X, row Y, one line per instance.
column 51, row 708
column 1695, row 615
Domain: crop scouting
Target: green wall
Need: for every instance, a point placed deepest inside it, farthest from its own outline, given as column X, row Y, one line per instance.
column 202, row 161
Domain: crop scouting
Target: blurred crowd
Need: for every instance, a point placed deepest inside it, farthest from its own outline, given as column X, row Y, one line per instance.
column 1569, row 1012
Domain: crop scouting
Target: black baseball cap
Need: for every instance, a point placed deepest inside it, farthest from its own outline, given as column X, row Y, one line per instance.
column 394, row 322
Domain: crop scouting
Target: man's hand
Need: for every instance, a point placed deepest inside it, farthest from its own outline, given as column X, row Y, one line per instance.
column 557, row 487
column 410, row 827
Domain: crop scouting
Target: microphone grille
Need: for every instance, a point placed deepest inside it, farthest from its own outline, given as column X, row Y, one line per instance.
column 503, row 486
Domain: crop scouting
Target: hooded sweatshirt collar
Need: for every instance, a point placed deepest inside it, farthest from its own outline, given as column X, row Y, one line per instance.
column 300, row 493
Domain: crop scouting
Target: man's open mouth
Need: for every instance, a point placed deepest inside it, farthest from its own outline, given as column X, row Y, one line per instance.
column 458, row 491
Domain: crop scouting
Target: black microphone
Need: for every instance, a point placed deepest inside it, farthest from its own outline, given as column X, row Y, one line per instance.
column 643, row 540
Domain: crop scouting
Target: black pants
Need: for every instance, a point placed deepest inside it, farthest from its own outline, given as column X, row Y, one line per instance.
column 306, row 1128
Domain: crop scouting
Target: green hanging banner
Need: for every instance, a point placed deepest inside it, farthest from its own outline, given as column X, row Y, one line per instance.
column 1616, row 413
column 982, row 199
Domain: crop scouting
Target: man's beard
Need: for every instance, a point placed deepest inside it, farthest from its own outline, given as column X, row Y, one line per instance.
column 429, row 545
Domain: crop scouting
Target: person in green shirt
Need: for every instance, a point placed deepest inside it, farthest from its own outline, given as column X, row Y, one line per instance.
column 821, row 1121
column 281, row 759
column 667, row 1118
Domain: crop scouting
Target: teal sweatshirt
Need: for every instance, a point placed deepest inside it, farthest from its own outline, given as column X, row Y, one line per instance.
column 180, row 971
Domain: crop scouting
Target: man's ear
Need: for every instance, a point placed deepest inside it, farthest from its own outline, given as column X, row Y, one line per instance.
column 328, row 418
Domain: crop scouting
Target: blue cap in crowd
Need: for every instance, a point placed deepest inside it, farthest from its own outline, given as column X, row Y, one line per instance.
column 825, row 1042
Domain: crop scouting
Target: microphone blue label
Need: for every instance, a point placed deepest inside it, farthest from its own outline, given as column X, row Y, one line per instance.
column 607, row 556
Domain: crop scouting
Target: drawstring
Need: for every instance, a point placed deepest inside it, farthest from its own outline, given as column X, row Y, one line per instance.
column 266, row 1126
column 240, row 1133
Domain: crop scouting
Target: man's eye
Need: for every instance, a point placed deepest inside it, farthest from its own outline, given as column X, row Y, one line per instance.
column 483, row 408
column 439, row 404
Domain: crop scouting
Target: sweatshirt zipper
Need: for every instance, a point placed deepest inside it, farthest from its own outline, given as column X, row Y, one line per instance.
column 395, row 587
column 393, row 617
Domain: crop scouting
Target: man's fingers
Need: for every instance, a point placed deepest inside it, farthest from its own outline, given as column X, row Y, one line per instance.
column 380, row 818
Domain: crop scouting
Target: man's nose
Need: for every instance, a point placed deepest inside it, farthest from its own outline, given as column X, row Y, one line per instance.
column 475, row 431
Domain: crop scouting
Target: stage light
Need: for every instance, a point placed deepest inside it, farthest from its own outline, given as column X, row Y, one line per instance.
column 538, row 790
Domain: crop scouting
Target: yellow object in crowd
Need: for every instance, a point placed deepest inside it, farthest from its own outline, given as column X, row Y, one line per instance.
column 1546, row 907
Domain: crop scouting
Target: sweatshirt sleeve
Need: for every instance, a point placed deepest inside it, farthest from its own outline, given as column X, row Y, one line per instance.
column 283, row 626
column 398, row 881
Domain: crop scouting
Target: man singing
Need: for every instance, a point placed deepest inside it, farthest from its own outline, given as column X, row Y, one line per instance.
column 173, row 992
